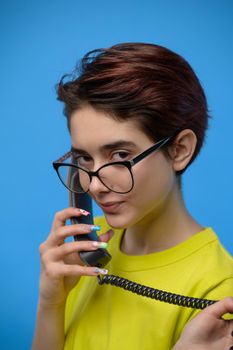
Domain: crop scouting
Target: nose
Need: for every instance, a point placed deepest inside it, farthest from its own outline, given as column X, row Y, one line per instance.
column 96, row 186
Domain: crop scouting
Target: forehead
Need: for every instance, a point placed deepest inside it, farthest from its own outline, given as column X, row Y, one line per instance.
column 91, row 127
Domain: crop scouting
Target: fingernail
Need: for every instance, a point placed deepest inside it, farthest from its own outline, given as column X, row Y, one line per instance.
column 95, row 228
column 103, row 245
column 100, row 244
column 100, row 271
column 84, row 212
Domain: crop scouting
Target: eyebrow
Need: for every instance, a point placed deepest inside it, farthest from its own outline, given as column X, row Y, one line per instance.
column 108, row 147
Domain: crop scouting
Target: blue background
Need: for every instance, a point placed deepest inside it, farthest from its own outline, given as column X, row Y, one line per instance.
column 42, row 40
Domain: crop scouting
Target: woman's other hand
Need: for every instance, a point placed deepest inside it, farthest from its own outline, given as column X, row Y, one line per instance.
column 208, row 330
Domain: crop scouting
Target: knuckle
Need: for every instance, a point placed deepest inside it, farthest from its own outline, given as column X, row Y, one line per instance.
column 62, row 232
column 87, row 245
column 84, row 227
column 66, row 249
column 83, row 270
column 49, row 270
column 64, row 214
column 76, row 271
column 57, row 232
column 228, row 299
column 65, row 211
column 57, row 215
column 44, row 259
column 42, row 248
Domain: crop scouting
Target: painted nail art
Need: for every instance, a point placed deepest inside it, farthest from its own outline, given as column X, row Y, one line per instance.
column 84, row 212
column 100, row 244
column 103, row 245
column 100, row 271
column 95, row 228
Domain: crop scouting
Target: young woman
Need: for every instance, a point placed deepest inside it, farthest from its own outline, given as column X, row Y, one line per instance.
column 129, row 100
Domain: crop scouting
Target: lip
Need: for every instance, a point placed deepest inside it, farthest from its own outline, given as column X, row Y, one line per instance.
column 110, row 207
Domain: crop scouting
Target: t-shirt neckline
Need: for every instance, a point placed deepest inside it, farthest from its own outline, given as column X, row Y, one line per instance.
column 180, row 251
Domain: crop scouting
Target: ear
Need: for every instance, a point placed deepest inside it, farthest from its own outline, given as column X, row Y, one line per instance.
column 182, row 149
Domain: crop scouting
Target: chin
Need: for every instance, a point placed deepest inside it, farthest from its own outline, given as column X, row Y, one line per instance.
column 119, row 221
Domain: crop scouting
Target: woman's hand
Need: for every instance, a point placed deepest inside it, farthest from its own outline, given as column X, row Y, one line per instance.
column 61, row 265
column 208, row 330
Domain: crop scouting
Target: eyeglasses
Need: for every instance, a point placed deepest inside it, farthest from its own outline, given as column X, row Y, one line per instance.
column 116, row 176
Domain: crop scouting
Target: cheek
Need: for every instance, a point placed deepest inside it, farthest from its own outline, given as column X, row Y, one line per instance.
column 153, row 182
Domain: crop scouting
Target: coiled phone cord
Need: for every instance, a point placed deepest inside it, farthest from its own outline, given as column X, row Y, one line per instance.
column 156, row 294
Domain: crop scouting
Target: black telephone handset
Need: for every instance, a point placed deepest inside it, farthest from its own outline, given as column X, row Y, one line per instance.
column 99, row 257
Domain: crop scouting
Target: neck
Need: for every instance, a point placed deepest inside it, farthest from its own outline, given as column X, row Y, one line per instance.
column 162, row 228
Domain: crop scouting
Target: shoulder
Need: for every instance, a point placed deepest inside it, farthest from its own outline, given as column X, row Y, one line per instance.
column 218, row 254
column 214, row 269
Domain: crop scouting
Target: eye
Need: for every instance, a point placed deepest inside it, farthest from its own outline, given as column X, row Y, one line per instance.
column 120, row 155
column 84, row 161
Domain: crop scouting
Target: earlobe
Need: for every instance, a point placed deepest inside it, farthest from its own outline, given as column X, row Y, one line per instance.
column 183, row 149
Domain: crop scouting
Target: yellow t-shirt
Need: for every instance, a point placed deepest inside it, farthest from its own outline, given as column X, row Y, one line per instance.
column 109, row 318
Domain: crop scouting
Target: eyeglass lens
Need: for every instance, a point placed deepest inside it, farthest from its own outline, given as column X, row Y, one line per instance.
column 115, row 177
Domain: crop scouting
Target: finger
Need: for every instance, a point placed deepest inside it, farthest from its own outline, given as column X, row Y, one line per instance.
column 60, row 252
column 62, row 216
column 105, row 237
column 61, row 270
column 220, row 308
column 56, row 270
column 73, row 270
column 57, row 236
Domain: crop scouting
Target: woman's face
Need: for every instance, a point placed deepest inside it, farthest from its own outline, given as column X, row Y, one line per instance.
column 100, row 139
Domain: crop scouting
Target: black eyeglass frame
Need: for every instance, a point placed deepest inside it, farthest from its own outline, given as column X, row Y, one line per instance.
column 127, row 163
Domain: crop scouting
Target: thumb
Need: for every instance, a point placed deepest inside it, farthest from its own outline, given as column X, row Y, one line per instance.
column 105, row 237
column 221, row 307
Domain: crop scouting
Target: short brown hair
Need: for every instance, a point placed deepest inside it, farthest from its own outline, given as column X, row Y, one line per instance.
column 145, row 82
